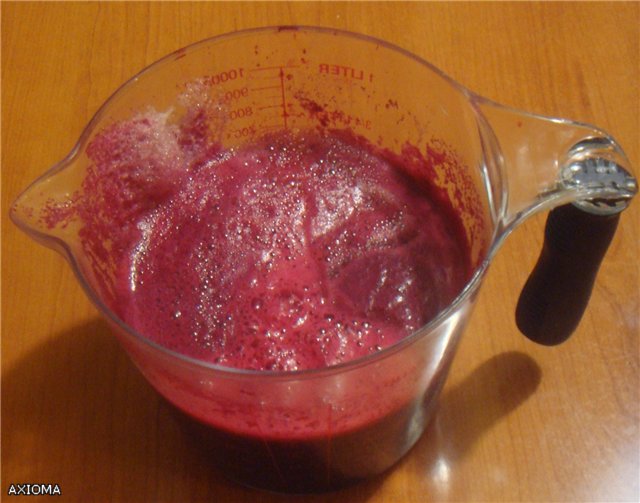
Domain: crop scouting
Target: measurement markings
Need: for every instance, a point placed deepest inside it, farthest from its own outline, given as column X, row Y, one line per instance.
column 271, row 99
column 263, row 68
column 284, row 103
column 266, row 79
column 266, row 88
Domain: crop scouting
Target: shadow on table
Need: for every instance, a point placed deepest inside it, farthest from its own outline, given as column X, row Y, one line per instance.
column 468, row 409
column 77, row 413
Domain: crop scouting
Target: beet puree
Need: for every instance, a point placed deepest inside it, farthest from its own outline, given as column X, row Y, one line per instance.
column 317, row 463
column 294, row 252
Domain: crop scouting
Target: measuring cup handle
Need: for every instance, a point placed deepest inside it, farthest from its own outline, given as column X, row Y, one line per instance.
column 556, row 294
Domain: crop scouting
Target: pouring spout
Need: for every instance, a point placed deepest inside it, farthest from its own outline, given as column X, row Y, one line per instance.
column 545, row 162
column 45, row 210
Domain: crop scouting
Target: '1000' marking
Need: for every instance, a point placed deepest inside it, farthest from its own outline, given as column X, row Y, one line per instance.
column 225, row 76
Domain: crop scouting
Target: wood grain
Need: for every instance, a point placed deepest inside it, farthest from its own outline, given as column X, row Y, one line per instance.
column 516, row 422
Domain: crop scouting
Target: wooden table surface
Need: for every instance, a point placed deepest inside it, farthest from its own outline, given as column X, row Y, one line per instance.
column 516, row 422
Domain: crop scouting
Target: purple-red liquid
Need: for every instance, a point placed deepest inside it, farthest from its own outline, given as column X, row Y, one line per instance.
column 317, row 463
column 290, row 253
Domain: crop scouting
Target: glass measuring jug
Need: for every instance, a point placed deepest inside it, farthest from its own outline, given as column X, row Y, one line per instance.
column 313, row 430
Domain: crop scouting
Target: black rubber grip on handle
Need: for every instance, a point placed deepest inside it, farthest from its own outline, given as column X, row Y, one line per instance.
column 556, row 294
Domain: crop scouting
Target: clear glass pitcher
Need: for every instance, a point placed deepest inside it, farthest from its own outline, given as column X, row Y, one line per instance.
column 314, row 430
